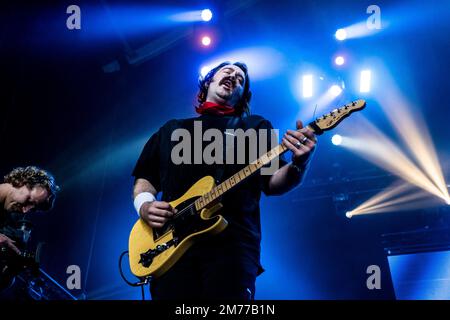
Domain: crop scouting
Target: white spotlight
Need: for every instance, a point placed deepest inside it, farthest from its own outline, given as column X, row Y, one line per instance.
column 307, row 86
column 336, row 139
column 364, row 84
column 348, row 214
column 339, row 60
column 206, row 15
column 206, row 41
column 335, row 90
column 341, row 34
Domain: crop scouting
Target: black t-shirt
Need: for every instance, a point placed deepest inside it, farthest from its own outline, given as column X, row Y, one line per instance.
column 240, row 205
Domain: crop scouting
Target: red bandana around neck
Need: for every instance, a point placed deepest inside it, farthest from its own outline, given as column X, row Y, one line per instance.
column 215, row 108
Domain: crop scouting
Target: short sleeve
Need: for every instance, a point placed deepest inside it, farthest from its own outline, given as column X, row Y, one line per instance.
column 147, row 166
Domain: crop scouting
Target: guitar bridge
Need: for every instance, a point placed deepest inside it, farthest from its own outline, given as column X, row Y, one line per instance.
column 147, row 257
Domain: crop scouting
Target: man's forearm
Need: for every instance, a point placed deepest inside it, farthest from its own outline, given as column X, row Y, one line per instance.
column 143, row 185
column 285, row 179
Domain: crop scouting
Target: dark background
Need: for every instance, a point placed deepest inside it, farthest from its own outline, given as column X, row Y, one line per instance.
column 61, row 111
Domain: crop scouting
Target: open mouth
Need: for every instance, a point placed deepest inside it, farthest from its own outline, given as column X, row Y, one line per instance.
column 227, row 84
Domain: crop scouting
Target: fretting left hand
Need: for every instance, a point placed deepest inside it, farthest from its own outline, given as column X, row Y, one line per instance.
column 302, row 143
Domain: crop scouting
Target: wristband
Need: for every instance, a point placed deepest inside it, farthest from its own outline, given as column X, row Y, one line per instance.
column 141, row 198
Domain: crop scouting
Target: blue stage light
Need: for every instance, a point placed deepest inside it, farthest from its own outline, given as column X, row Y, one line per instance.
column 335, row 90
column 336, row 139
column 341, row 34
column 365, row 79
column 339, row 60
column 307, row 86
column 206, row 15
column 206, row 41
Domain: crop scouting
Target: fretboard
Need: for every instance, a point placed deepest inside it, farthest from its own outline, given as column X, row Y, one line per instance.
column 240, row 176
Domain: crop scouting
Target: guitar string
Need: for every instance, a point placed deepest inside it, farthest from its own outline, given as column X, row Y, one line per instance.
column 190, row 206
column 182, row 211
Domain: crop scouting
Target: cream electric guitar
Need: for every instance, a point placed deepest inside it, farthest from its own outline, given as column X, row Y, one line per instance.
column 152, row 251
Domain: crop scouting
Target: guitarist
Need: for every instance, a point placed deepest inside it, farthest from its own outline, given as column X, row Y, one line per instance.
column 224, row 266
column 24, row 190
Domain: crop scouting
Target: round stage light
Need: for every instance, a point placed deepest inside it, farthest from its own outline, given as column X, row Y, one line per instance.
column 206, row 41
column 341, row 34
column 206, row 15
column 335, row 90
column 339, row 60
column 348, row 214
column 336, row 139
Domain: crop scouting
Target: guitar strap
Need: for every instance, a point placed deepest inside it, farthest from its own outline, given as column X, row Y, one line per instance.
column 233, row 123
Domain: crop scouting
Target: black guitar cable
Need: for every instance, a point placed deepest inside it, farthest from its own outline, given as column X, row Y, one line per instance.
column 141, row 284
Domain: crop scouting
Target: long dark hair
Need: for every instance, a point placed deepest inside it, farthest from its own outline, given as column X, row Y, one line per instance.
column 243, row 105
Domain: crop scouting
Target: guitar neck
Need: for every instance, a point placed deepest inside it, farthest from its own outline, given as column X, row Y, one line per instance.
column 318, row 126
column 240, row 176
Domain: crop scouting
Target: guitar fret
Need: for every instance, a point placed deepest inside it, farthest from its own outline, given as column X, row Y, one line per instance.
column 318, row 126
column 229, row 183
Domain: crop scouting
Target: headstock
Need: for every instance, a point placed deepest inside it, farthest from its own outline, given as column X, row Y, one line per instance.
column 332, row 119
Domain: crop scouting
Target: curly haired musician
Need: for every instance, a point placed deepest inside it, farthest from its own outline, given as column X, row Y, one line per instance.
column 223, row 266
column 25, row 190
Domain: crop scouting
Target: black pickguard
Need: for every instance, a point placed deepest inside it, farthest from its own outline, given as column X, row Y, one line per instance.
column 185, row 224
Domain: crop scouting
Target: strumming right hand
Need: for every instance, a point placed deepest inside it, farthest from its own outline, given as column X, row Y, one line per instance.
column 156, row 213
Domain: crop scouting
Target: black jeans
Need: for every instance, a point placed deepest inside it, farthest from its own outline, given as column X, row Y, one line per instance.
column 208, row 272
